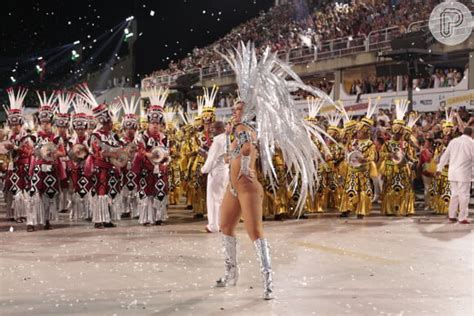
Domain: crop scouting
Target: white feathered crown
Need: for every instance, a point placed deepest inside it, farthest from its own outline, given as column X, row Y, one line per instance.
column 314, row 106
column 158, row 96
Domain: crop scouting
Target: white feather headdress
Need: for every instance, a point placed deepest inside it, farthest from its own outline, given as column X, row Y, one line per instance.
column 401, row 107
column 65, row 100
column 372, row 107
column 129, row 106
column 346, row 118
column 84, row 92
column 334, row 118
column 115, row 108
column 158, row 96
column 16, row 100
column 200, row 101
column 266, row 92
column 169, row 114
column 45, row 101
column 412, row 119
column 81, row 106
column 14, row 111
column 449, row 115
column 209, row 97
column 314, row 106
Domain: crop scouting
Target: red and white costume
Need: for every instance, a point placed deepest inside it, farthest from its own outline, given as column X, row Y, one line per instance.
column 81, row 185
column 152, row 178
column 129, row 139
column 17, row 174
column 46, row 174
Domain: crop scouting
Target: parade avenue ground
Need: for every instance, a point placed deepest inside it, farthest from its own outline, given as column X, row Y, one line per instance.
column 324, row 265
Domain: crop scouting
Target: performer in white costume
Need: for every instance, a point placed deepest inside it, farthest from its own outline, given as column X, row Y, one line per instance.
column 218, row 178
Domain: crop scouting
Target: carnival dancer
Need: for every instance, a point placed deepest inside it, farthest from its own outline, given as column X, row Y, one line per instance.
column 358, row 191
column 46, row 169
column 411, row 157
column 81, row 185
column 174, row 139
column 130, row 140
column 266, row 104
column 347, row 139
column 105, row 163
column 440, row 192
column 186, row 160
column 20, row 148
column 396, row 168
column 61, row 121
column 332, row 189
column 151, row 164
column 314, row 204
column 203, row 142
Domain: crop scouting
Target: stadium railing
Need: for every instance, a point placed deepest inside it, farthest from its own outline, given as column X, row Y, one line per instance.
column 377, row 40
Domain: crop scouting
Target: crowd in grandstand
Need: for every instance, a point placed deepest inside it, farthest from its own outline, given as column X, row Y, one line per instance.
column 282, row 26
column 441, row 78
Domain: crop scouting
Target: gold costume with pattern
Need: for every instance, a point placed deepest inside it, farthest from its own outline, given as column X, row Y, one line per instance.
column 358, row 191
column 397, row 194
column 440, row 190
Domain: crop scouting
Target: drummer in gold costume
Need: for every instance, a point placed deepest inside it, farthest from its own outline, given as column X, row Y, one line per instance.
column 358, row 192
column 277, row 199
column 186, row 159
column 396, row 168
column 203, row 141
column 440, row 191
column 174, row 170
column 332, row 174
column 314, row 204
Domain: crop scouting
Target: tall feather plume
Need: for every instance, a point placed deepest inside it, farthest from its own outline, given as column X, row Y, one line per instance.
column 169, row 114
column 16, row 100
column 129, row 105
column 334, row 118
column 65, row 100
column 115, row 108
column 210, row 96
column 314, row 106
column 449, row 114
column 372, row 107
column 45, row 100
column 159, row 96
column 340, row 107
column 81, row 106
column 190, row 117
column 412, row 119
column 401, row 107
column 84, row 92
column 265, row 90
column 183, row 118
column 200, row 101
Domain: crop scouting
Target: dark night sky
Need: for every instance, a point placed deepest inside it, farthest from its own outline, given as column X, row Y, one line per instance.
column 30, row 26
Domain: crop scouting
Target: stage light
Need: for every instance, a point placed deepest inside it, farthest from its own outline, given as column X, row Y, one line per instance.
column 13, row 79
column 129, row 18
column 40, row 58
column 39, row 69
column 74, row 55
column 76, row 42
column 127, row 36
